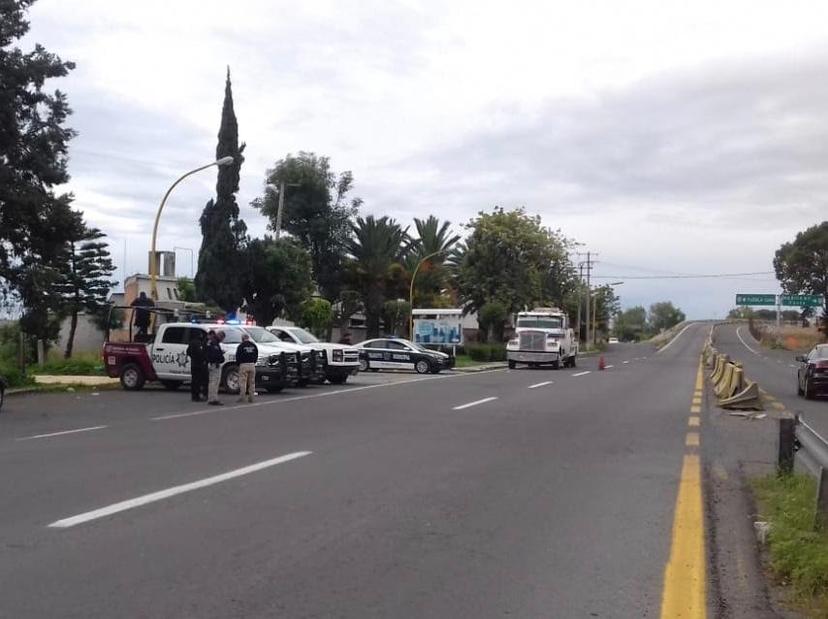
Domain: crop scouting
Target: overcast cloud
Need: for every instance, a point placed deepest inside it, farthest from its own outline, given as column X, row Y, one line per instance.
column 668, row 137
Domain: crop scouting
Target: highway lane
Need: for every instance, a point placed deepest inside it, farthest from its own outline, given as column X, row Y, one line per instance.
column 774, row 370
column 554, row 500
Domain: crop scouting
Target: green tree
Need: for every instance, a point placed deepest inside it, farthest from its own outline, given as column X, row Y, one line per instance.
column 506, row 259
column 317, row 212
column 349, row 303
column 631, row 324
column 664, row 315
column 491, row 318
column 740, row 313
column 802, row 266
column 605, row 305
column 278, row 279
column 223, row 233
column 376, row 251
column 85, row 283
column 186, row 290
column 35, row 224
column 317, row 315
column 395, row 316
column 435, row 239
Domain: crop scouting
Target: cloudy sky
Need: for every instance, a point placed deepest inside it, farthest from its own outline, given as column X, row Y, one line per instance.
column 668, row 137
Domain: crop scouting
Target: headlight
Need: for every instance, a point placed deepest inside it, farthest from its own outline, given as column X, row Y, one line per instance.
column 513, row 343
column 337, row 354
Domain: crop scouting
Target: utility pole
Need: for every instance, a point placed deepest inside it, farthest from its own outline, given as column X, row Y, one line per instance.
column 589, row 262
column 280, row 209
column 580, row 300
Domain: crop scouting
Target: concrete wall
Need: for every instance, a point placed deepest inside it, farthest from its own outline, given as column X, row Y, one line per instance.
column 88, row 338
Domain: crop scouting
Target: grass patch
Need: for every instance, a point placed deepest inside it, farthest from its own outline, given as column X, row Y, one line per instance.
column 81, row 364
column 465, row 361
column 798, row 553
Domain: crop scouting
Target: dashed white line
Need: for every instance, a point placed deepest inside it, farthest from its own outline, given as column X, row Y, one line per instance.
column 606, row 367
column 582, row 373
column 170, row 492
column 625, row 362
column 543, row 384
column 739, row 335
column 475, row 403
column 51, row 434
column 791, row 365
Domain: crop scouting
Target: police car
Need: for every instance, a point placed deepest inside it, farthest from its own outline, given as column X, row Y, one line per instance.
column 399, row 354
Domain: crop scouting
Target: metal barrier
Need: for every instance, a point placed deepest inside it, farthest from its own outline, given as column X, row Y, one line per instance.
column 803, row 449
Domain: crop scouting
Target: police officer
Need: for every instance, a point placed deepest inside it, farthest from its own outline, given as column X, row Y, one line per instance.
column 215, row 358
column 247, row 353
column 197, row 352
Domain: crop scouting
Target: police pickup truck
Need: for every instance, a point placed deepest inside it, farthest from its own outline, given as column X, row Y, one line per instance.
column 341, row 361
column 164, row 359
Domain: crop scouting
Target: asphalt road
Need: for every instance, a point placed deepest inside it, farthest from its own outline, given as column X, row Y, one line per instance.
column 529, row 493
column 774, row 370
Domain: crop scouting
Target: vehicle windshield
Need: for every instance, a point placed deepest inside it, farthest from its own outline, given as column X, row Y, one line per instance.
column 303, row 336
column 231, row 335
column 260, row 335
column 539, row 322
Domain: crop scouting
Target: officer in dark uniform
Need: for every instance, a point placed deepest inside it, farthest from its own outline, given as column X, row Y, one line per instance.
column 197, row 352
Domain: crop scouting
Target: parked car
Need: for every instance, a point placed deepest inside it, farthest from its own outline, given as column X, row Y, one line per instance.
column 342, row 360
column 612, row 340
column 812, row 374
column 399, row 354
column 3, row 384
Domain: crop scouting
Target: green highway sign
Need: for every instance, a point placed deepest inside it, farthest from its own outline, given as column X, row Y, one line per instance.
column 802, row 300
column 755, row 299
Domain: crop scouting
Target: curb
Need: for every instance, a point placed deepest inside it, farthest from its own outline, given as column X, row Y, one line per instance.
column 480, row 368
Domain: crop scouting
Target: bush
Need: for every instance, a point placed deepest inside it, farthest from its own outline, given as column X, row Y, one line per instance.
column 13, row 375
column 486, row 352
column 88, row 364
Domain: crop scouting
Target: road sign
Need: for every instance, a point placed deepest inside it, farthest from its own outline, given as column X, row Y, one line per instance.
column 755, row 299
column 802, row 300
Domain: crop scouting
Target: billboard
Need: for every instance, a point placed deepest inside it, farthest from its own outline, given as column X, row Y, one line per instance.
column 446, row 330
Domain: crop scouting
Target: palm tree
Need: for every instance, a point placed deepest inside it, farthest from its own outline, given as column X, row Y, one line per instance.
column 437, row 240
column 376, row 250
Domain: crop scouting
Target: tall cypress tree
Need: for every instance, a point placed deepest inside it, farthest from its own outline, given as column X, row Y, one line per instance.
column 223, row 233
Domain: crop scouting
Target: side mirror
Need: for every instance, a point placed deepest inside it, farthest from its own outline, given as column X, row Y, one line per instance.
column 801, row 358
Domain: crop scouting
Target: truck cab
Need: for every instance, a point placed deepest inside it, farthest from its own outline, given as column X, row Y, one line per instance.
column 543, row 336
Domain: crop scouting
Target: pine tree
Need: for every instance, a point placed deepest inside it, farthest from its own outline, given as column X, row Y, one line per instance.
column 85, row 284
column 223, row 233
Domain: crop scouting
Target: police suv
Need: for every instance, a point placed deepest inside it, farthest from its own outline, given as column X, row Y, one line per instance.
column 399, row 354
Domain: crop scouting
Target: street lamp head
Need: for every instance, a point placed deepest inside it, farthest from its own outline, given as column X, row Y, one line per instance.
column 224, row 161
column 616, row 283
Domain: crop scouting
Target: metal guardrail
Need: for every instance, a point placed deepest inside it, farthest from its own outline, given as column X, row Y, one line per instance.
column 803, row 449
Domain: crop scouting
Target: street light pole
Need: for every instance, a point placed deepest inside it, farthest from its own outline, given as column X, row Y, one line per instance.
column 411, row 292
column 153, row 263
column 280, row 209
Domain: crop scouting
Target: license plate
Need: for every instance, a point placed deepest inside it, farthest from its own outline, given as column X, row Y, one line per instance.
column 111, row 360
column 265, row 379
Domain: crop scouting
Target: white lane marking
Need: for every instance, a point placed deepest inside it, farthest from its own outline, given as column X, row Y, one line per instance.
column 606, row 367
column 475, row 403
column 791, row 365
column 51, row 434
column 543, row 384
column 678, row 335
column 739, row 335
column 170, row 492
column 324, row 394
column 625, row 362
column 582, row 373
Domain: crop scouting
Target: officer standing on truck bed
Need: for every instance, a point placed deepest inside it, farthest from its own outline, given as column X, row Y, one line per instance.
column 197, row 352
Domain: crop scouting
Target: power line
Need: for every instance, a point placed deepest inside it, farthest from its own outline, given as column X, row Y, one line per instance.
column 706, row 276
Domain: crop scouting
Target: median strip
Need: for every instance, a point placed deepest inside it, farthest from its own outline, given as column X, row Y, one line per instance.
column 475, row 403
column 51, row 434
column 171, row 492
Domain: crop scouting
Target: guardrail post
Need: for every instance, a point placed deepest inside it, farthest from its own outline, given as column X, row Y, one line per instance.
column 787, row 439
column 821, row 516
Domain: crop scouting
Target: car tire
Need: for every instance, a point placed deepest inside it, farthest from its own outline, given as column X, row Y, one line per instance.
column 303, row 382
column 132, row 378
column 512, row 364
column 338, row 380
column 809, row 393
column 364, row 366
column 2, row 398
column 573, row 362
column 422, row 367
column 274, row 389
column 799, row 390
column 171, row 385
column 230, row 379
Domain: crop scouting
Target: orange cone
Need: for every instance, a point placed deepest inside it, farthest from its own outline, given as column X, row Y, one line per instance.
column 601, row 363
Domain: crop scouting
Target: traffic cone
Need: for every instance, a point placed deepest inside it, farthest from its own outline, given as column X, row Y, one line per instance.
column 601, row 363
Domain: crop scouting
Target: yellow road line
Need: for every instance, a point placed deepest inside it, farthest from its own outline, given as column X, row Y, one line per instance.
column 693, row 422
column 696, row 409
column 685, row 579
column 697, row 400
column 692, row 439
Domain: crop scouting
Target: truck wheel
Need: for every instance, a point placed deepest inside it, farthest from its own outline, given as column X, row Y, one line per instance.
column 573, row 362
column 363, row 365
column 274, row 389
column 810, row 394
column 230, row 379
column 512, row 364
column 171, row 385
column 132, row 378
column 422, row 367
column 338, row 380
column 303, row 382
column 556, row 365
column 2, row 395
